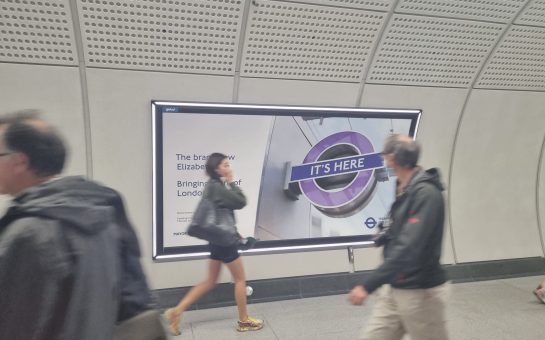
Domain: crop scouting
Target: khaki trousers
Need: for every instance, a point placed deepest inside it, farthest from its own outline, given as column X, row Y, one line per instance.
column 144, row 326
column 419, row 312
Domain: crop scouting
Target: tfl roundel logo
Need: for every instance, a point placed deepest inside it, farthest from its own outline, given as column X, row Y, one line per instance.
column 338, row 174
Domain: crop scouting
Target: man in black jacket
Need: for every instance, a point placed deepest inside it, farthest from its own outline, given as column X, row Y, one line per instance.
column 413, row 297
column 69, row 258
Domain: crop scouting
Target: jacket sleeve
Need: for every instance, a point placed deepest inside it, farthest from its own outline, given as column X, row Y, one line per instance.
column 408, row 245
column 33, row 274
column 228, row 196
column 135, row 293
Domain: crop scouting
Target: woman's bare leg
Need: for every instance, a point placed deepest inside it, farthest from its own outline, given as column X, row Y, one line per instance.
column 175, row 314
column 237, row 271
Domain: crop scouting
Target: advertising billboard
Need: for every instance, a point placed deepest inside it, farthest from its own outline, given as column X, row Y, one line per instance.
column 314, row 177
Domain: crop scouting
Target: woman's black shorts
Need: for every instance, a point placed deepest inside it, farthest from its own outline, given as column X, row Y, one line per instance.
column 223, row 254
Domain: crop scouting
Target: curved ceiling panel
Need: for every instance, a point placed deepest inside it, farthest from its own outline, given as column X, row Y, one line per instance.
column 496, row 11
column 533, row 14
column 518, row 61
column 37, row 32
column 190, row 36
column 426, row 51
column 296, row 41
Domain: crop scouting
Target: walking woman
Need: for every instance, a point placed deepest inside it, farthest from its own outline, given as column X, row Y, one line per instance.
column 222, row 190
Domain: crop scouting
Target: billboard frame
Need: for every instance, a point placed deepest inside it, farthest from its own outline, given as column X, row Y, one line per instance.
column 158, row 107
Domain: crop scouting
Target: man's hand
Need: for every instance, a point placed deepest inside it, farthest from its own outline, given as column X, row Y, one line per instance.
column 357, row 295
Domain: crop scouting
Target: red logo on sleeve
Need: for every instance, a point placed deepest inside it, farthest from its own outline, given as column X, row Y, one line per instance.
column 413, row 220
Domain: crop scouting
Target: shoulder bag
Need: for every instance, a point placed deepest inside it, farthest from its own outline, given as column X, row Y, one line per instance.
column 213, row 224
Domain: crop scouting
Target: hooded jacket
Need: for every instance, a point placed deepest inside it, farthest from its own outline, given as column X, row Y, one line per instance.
column 69, row 263
column 413, row 241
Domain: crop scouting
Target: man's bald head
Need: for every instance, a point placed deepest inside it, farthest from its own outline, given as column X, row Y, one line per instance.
column 404, row 149
column 25, row 132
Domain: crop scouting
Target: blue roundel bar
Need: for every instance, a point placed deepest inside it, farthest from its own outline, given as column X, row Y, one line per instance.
column 336, row 166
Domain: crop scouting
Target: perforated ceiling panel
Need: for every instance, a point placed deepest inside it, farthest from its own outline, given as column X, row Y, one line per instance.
column 518, row 62
column 378, row 5
column 194, row 36
column 294, row 41
column 489, row 10
column 36, row 32
column 533, row 15
column 432, row 51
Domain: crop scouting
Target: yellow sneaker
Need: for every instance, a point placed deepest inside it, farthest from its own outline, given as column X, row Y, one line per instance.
column 250, row 324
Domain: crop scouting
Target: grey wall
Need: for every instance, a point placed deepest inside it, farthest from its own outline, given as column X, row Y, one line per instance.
column 473, row 67
column 494, row 184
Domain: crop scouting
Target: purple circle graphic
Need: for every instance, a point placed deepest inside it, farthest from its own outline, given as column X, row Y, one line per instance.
column 332, row 199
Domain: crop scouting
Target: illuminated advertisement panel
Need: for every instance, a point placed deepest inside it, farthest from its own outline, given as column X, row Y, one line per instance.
column 314, row 177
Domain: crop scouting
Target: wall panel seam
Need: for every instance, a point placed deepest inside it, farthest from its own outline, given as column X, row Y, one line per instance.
column 241, row 41
column 373, row 51
column 538, row 203
column 84, row 88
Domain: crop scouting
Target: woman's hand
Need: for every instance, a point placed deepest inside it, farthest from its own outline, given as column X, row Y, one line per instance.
column 230, row 176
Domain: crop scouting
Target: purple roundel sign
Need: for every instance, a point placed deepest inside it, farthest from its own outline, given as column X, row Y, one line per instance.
column 338, row 173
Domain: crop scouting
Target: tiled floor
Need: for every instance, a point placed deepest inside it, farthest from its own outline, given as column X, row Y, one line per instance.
column 496, row 310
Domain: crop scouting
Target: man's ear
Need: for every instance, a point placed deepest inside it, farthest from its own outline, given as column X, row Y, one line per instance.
column 21, row 163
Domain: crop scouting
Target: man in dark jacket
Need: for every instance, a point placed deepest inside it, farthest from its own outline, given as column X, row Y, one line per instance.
column 69, row 258
column 413, row 297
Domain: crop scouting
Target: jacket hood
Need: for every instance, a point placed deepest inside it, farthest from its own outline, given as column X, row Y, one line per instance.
column 83, row 204
column 432, row 176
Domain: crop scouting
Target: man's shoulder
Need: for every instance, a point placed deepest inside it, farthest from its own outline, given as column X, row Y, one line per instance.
column 38, row 244
column 426, row 190
column 85, row 184
column 32, row 235
column 34, row 229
